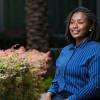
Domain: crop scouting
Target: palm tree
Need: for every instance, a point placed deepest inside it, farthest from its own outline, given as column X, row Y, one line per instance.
column 37, row 24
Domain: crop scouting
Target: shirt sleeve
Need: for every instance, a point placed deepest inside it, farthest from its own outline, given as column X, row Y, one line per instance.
column 94, row 81
column 54, row 86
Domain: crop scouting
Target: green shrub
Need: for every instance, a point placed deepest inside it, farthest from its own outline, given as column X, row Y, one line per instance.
column 21, row 74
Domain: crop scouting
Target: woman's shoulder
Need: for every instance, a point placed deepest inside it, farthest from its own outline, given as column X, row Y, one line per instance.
column 95, row 46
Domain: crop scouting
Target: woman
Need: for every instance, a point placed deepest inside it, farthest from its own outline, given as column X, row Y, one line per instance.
column 77, row 74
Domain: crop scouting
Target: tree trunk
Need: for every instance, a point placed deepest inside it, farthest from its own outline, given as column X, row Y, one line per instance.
column 37, row 24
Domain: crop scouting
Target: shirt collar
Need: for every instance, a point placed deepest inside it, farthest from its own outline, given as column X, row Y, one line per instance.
column 81, row 45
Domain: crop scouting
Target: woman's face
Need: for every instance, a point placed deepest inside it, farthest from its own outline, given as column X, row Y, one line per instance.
column 79, row 25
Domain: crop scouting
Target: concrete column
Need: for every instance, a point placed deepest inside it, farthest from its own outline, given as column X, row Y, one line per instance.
column 1, row 15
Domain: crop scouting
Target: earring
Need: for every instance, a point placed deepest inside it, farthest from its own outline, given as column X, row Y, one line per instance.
column 90, row 30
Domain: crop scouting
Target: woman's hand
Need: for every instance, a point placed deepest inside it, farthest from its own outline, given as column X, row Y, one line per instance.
column 47, row 96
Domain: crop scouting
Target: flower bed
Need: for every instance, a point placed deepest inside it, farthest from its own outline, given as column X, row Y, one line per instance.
column 21, row 73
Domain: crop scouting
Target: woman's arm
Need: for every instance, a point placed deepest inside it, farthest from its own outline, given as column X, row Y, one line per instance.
column 54, row 86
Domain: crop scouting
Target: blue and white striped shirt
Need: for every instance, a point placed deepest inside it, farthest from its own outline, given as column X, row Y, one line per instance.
column 78, row 70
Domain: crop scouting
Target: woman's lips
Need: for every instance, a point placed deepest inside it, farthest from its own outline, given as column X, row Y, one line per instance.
column 75, row 31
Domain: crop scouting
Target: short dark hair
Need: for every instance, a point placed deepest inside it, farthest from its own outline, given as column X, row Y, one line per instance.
column 94, row 33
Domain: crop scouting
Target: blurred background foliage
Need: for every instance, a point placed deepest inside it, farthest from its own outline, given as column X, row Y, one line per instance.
column 23, row 74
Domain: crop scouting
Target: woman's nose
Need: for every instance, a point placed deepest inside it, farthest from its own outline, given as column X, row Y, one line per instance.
column 75, row 25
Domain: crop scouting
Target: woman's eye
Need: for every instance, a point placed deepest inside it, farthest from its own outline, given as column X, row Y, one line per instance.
column 80, row 22
column 71, row 22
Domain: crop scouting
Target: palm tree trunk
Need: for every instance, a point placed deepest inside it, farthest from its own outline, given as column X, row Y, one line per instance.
column 36, row 24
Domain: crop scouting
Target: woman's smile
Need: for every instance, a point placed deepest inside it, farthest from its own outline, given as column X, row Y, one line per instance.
column 75, row 31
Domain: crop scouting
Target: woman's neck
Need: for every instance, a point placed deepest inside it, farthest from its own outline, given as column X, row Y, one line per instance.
column 78, row 41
